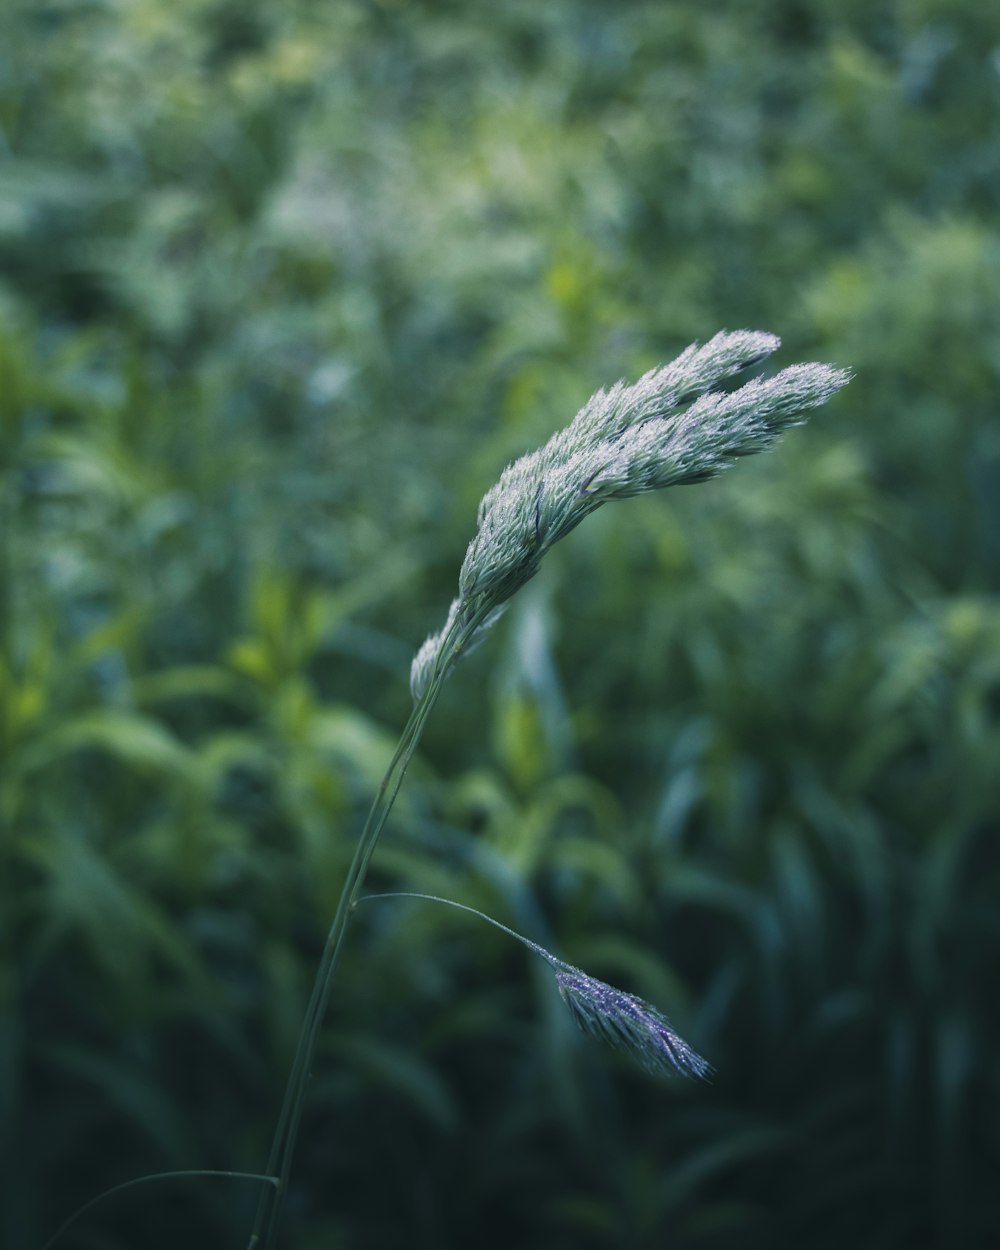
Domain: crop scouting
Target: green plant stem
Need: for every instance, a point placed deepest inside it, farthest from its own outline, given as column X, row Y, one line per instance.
column 147, row 1180
column 549, row 958
column 286, row 1133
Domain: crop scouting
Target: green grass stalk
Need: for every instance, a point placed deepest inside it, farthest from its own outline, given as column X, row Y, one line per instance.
column 286, row 1134
column 153, row 1178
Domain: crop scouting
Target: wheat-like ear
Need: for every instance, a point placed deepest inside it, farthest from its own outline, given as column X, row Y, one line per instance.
column 623, row 1020
column 672, row 426
column 629, row 1023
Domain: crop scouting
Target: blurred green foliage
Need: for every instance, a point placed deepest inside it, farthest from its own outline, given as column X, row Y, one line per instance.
column 283, row 287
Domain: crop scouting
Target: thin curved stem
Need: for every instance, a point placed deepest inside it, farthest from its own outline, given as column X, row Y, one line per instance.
column 286, row 1133
column 260, row 1177
column 549, row 958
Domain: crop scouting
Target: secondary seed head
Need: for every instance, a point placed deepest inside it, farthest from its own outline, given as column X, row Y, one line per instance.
column 628, row 1023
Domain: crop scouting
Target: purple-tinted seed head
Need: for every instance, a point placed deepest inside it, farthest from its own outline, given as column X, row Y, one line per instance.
column 625, row 1021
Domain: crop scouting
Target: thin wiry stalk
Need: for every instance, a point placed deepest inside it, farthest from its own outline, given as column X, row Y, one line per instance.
column 153, row 1178
column 286, row 1133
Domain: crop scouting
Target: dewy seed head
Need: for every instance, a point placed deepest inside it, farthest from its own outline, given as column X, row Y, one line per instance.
column 628, row 1022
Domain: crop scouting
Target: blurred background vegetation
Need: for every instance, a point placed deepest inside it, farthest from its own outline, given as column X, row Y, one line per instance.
column 283, row 288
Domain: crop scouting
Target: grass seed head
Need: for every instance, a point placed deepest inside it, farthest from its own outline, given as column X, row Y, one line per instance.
column 629, row 1023
column 673, row 426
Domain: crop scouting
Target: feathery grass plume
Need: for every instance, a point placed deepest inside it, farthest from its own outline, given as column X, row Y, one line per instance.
column 622, row 1020
column 672, row 426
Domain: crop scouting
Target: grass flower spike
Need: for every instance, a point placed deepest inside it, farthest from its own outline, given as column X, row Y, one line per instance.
column 672, row 426
column 622, row 1020
column 627, row 1022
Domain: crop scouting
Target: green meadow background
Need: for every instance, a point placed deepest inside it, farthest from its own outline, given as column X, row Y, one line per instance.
column 283, row 286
